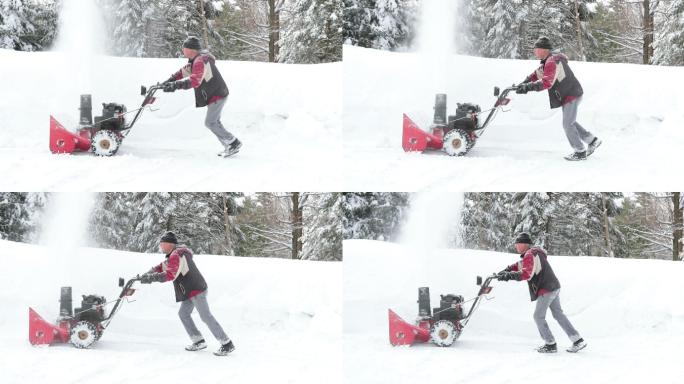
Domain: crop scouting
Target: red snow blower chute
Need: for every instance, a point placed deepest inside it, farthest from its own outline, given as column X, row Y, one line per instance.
column 458, row 133
column 441, row 325
column 82, row 327
column 104, row 136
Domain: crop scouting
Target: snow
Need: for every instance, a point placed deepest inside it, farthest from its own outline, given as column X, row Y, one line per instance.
column 284, row 317
column 631, row 313
column 634, row 109
column 287, row 116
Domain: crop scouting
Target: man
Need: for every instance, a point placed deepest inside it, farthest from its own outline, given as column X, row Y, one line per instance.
column 211, row 91
column 565, row 91
column 534, row 268
column 191, row 291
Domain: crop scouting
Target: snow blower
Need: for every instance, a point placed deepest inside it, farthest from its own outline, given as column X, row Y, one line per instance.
column 104, row 136
column 458, row 133
column 81, row 327
column 441, row 325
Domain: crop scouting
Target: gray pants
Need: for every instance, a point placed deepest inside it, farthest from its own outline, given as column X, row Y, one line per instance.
column 575, row 133
column 552, row 300
column 213, row 122
column 200, row 302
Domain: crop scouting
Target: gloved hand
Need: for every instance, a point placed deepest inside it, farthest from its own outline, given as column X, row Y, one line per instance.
column 152, row 277
column 505, row 276
column 524, row 88
column 170, row 86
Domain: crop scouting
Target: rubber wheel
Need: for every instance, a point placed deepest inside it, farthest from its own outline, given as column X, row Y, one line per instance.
column 457, row 142
column 104, row 143
column 444, row 332
column 83, row 334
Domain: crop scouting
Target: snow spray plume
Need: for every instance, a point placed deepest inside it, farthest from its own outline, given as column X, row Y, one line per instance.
column 433, row 222
column 80, row 38
column 437, row 41
column 64, row 230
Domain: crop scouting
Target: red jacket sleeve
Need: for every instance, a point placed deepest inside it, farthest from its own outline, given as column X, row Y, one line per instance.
column 549, row 74
column 532, row 77
column 197, row 73
column 172, row 266
column 527, row 265
column 157, row 268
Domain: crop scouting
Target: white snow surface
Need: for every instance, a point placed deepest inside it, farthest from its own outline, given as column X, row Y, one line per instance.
column 284, row 317
column 288, row 118
column 631, row 313
column 635, row 109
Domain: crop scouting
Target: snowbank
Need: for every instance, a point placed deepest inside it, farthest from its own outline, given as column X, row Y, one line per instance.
column 287, row 116
column 284, row 317
column 631, row 312
column 635, row 109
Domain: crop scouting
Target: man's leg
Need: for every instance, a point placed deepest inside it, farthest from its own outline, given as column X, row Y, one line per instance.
column 213, row 122
column 543, row 303
column 573, row 131
column 585, row 135
column 184, row 313
column 202, row 306
column 560, row 317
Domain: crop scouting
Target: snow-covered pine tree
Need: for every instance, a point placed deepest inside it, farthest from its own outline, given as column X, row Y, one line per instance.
column 669, row 44
column 487, row 221
column 27, row 25
column 112, row 221
column 155, row 216
column 323, row 236
column 533, row 215
column 315, row 35
column 18, row 213
column 505, row 22
column 133, row 24
column 380, row 24
column 374, row 216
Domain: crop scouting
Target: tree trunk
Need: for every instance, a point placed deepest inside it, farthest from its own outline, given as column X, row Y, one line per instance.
column 203, row 18
column 580, row 48
column 678, row 225
column 606, row 227
column 227, row 224
column 648, row 32
column 297, row 226
column 273, row 30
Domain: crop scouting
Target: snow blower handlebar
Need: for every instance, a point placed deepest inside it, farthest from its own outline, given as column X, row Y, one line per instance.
column 501, row 100
column 125, row 292
column 149, row 99
column 485, row 288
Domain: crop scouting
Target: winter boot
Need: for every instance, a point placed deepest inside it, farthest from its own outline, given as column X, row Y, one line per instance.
column 576, row 156
column 231, row 149
column 225, row 349
column 196, row 346
column 593, row 145
column 548, row 348
column 577, row 346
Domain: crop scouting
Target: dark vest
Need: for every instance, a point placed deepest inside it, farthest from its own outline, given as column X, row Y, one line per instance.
column 566, row 83
column 192, row 280
column 545, row 279
column 215, row 86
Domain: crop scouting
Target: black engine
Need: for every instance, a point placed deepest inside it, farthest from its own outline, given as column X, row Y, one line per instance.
column 113, row 115
column 450, row 308
column 465, row 117
column 92, row 308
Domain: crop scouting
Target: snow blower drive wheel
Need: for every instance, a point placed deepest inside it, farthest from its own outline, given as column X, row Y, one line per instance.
column 457, row 142
column 83, row 334
column 105, row 143
column 444, row 333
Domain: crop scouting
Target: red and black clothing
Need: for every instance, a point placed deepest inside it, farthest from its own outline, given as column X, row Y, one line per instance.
column 201, row 74
column 537, row 271
column 181, row 269
column 555, row 74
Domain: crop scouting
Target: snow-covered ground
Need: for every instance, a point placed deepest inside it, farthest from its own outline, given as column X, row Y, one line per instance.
column 635, row 109
column 287, row 116
column 284, row 317
column 631, row 312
